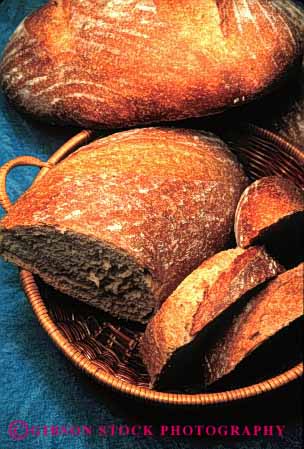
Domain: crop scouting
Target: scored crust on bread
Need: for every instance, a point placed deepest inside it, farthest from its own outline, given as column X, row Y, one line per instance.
column 121, row 222
column 283, row 112
column 265, row 205
column 121, row 63
column 264, row 315
column 207, row 292
column 295, row 12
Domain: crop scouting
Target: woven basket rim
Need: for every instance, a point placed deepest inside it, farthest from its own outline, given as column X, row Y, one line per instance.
column 178, row 399
column 79, row 360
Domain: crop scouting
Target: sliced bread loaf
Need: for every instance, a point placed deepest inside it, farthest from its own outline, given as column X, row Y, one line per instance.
column 169, row 339
column 267, row 313
column 122, row 221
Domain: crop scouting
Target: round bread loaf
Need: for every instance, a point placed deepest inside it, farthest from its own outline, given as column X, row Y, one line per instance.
column 121, row 222
column 121, row 63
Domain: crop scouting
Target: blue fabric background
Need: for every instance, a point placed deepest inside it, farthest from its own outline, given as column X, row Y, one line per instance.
column 38, row 385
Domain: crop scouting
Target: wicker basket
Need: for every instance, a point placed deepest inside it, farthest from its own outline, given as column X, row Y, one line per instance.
column 107, row 351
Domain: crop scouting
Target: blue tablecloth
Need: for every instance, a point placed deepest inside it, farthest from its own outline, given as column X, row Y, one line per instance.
column 40, row 387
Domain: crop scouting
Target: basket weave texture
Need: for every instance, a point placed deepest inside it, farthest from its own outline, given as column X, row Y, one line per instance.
column 107, row 351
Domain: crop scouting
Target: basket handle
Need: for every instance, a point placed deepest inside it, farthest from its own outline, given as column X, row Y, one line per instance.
column 5, row 202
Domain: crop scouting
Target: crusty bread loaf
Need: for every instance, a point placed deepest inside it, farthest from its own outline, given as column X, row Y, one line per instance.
column 122, row 221
column 271, row 310
column 266, row 206
column 209, row 290
column 120, row 63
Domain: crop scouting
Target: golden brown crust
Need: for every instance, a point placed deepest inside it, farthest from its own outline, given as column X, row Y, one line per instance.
column 274, row 308
column 283, row 110
column 124, row 63
column 194, row 304
column 165, row 197
column 264, row 204
column 246, row 272
column 169, row 329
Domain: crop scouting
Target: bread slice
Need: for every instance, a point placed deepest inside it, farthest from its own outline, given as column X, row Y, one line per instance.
column 271, row 211
column 121, row 222
column 271, row 310
column 169, row 340
column 120, row 63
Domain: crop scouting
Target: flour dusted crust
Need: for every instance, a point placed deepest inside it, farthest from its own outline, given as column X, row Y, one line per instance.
column 283, row 111
column 158, row 200
column 116, row 63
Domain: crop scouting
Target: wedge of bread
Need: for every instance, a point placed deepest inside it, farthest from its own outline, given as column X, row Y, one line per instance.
column 271, row 310
column 170, row 337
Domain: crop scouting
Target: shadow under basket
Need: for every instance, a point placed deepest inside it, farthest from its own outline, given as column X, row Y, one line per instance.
column 107, row 350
